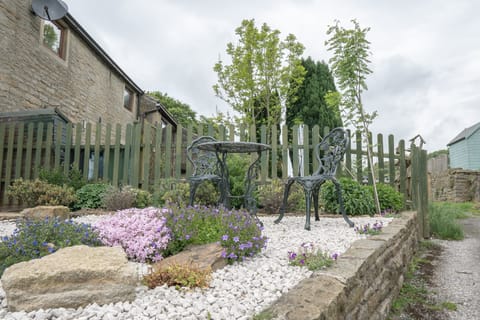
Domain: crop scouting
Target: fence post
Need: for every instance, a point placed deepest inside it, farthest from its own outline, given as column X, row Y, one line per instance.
column 419, row 188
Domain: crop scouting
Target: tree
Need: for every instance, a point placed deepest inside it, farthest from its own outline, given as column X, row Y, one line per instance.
column 311, row 108
column 50, row 37
column 180, row 111
column 349, row 64
column 264, row 73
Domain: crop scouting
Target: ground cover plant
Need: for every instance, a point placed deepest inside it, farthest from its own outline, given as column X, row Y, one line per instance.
column 179, row 276
column 37, row 238
column 372, row 230
column 308, row 257
column 442, row 217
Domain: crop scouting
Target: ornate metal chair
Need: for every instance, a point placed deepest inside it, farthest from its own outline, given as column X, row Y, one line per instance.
column 206, row 167
column 329, row 152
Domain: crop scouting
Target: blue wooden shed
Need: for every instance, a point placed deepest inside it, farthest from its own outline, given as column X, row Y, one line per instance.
column 464, row 149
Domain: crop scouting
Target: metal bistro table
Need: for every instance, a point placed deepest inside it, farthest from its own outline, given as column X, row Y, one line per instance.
column 222, row 149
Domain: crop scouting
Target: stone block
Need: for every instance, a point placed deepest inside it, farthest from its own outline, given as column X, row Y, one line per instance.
column 42, row 212
column 70, row 278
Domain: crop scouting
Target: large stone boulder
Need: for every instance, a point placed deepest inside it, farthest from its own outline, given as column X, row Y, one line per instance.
column 204, row 257
column 71, row 277
column 42, row 212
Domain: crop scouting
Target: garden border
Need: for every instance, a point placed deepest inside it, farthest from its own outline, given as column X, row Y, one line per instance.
column 362, row 283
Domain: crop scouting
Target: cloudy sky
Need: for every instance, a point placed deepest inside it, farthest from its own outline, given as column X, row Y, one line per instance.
column 425, row 54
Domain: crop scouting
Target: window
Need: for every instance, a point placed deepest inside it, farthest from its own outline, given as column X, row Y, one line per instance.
column 128, row 99
column 54, row 37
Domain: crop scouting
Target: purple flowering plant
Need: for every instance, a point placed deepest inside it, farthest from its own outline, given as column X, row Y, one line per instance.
column 142, row 233
column 308, row 257
column 368, row 229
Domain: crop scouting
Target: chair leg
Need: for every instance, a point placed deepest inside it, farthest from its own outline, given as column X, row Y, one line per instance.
column 308, row 198
column 340, row 202
column 193, row 190
column 315, row 202
column 288, row 184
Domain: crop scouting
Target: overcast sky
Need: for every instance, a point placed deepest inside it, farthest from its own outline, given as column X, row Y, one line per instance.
column 425, row 54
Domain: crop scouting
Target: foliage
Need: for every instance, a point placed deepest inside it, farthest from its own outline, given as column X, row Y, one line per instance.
column 237, row 231
column 38, row 193
column 91, row 196
column 180, row 111
column 74, row 178
column 270, row 197
column 142, row 233
column 237, row 167
column 390, row 199
column 442, row 218
column 178, row 275
column 308, row 257
column 437, row 153
column 37, row 238
column 174, row 191
column 376, row 228
column 310, row 108
column 264, row 72
column 349, row 65
column 357, row 199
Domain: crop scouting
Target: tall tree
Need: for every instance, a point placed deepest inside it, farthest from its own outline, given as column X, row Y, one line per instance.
column 182, row 112
column 349, row 64
column 311, row 108
column 264, row 72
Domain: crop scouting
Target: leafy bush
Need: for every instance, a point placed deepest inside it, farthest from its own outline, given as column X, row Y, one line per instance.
column 237, row 168
column 57, row 176
column 34, row 239
column 143, row 198
column 270, row 197
column 237, row 231
column 178, row 275
column 173, row 191
column 142, row 233
column 390, row 199
column 308, row 257
column 91, row 196
column 38, row 192
column 357, row 199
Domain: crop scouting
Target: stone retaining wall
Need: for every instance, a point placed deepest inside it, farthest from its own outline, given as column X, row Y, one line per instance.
column 363, row 282
column 456, row 185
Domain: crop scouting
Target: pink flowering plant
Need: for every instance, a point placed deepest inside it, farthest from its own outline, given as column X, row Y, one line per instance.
column 238, row 233
column 368, row 229
column 142, row 233
column 308, row 257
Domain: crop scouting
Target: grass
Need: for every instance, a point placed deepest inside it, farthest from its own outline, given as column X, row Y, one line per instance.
column 443, row 216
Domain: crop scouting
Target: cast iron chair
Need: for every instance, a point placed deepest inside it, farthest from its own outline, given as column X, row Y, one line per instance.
column 206, row 167
column 329, row 153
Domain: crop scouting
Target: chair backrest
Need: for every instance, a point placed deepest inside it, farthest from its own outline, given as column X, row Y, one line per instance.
column 203, row 162
column 330, row 151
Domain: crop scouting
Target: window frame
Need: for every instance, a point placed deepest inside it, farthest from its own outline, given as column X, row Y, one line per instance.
column 62, row 45
column 131, row 98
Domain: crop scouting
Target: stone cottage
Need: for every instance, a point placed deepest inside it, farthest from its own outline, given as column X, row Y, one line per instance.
column 57, row 64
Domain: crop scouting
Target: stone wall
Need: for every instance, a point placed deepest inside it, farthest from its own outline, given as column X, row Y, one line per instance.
column 456, row 185
column 363, row 282
column 82, row 86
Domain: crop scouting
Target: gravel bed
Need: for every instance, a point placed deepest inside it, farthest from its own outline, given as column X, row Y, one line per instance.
column 237, row 291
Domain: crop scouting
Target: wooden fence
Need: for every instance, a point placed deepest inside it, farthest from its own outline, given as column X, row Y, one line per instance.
column 142, row 156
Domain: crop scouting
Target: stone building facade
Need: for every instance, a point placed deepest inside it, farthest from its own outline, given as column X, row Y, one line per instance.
column 75, row 75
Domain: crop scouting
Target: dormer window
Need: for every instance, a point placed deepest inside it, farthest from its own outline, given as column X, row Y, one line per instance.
column 53, row 37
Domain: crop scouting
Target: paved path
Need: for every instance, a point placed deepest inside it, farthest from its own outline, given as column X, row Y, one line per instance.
column 457, row 276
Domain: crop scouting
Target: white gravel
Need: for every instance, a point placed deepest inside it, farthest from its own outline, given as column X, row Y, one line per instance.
column 237, row 291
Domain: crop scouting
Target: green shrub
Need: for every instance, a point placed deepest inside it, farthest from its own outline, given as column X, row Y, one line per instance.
column 390, row 199
column 270, row 197
column 179, row 276
column 34, row 239
column 358, row 199
column 91, row 196
column 38, row 193
column 237, row 168
column 57, row 176
column 174, row 191
column 143, row 198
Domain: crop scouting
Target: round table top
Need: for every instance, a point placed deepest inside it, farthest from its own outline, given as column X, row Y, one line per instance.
column 233, row 146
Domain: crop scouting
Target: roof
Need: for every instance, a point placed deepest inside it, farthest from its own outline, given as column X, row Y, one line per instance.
column 33, row 114
column 465, row 134
column 161, row 109
column 75, row 26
